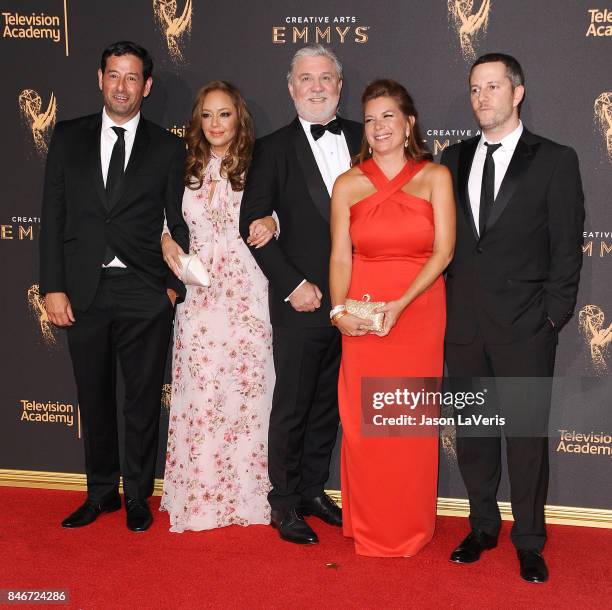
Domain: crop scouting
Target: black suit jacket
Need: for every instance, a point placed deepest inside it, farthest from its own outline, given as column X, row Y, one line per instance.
column 526, row 265
column 284, row 177
column 77, row 221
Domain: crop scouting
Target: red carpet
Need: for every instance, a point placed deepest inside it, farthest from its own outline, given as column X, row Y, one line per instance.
column 105, row 566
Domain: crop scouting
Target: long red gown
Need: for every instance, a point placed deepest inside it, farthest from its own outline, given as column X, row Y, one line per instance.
column 389, row 485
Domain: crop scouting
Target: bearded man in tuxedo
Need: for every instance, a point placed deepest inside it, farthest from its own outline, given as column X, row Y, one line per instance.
column 293, row 173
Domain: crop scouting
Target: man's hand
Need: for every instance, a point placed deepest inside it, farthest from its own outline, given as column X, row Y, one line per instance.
column 171, row 295
column 59, row 309
column 306, row 298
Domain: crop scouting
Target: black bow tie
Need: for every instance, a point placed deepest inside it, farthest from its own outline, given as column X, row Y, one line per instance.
column 318, row 130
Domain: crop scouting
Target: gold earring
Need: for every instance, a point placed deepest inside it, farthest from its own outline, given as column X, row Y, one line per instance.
column 406, row 142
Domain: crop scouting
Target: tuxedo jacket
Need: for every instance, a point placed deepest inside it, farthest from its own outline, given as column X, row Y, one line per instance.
column 78, row 221
column 284, row 178
column 525, row 268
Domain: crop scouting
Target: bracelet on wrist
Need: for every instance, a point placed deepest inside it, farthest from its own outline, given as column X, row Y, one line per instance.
column 336, row 309
column 336, row 317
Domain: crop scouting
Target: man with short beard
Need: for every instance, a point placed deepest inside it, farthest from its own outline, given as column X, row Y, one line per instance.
column 511, row 287
column 293, row 173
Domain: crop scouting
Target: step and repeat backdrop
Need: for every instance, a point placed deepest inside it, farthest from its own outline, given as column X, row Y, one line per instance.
column 50, row 54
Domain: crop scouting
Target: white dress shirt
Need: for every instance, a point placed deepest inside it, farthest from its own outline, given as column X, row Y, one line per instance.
column 107, row 141
column 501, row 158
column 332, row 156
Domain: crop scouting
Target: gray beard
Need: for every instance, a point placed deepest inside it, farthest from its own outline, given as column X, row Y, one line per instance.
column 324, row 116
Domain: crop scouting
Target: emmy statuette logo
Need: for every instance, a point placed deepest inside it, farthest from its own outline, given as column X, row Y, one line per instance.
column 40, row 123
column 596, row 335
column 602, row 115
column 36, row 304
column 469, row 24
column 174, row 27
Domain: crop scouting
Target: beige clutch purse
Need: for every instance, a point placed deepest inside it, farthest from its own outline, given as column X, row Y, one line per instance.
column 365, row 309
column 193, row 271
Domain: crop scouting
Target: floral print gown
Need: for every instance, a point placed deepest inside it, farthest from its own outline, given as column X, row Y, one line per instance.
column 223, row 374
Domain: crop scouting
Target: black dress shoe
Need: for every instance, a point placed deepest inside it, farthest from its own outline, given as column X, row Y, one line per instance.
column 533, row 566
column 323, row 507
column 139, row 517
column 89, row 511
column 292, row 527
column 474, row 544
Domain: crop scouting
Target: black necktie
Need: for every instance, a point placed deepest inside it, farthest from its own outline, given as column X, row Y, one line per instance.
column 116, row 165
column 113, row 179
column 318, row 130
column 487, row 189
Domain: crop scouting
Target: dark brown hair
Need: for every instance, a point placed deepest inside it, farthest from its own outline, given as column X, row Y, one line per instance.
column 513, row 68
column 238, row 158
column 126, row 47
column 386, row 87
column 514, row 71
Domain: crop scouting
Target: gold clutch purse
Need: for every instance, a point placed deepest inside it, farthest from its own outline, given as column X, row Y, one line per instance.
column 365, row 309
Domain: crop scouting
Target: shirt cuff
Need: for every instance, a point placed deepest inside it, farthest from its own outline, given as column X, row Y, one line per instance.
column 302, row 282
column 166, row 230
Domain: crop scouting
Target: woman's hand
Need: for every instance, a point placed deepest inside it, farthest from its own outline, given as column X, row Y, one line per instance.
column 392, row 310
column 352, row 326
column 171, row 251
column 261, row 231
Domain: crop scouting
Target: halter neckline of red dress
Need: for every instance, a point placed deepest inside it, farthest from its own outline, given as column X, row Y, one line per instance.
column 373, row 171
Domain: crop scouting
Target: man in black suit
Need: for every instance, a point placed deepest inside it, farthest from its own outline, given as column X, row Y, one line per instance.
column 292, row 173
column 110, row 178
column 511, row 287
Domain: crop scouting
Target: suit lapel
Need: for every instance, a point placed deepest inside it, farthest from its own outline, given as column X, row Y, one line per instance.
column 519, row 164
column 92, row 160
column 352, row 134
column 466, row 156
column 314, row 181
column 141, row 142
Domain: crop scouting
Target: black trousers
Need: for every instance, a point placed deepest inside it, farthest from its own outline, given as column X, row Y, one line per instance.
column 129, row 322
column 304, row 417
column 479, row 457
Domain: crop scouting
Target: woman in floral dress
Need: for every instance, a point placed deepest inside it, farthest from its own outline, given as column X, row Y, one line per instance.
column 223, row 375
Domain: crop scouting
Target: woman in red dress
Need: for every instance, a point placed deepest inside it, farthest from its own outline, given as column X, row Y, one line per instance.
column 393, row 234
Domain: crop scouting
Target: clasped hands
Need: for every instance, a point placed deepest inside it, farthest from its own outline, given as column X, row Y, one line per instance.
column 306, row 297
column 353, row 326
